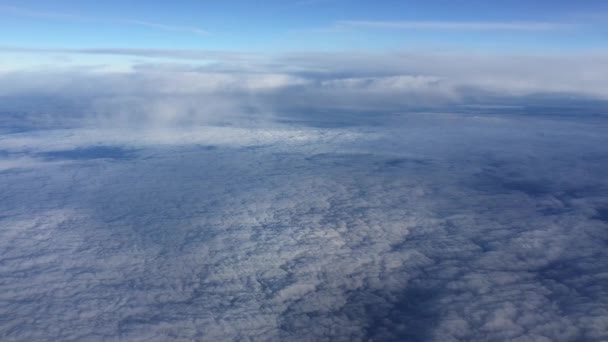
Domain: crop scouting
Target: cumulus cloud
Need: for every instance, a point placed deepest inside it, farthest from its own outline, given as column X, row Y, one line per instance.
column 305, row 198
column 237, row 83
column 150, row 98
column 435, row 227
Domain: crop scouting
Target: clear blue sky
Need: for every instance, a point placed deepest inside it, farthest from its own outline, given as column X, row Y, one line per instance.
column 307, row 25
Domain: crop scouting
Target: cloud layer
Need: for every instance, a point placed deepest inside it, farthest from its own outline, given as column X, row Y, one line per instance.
column 306, row 198
column 436, row 227
column 241, row 89
column 339, row 80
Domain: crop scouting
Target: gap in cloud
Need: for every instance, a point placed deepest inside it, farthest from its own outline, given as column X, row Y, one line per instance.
column 602, row 214
column 89, row 153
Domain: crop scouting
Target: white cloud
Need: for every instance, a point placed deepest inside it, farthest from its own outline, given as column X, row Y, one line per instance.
column 453, row 25
column 464, row 74
column 239, row 201
column 410, row 230
column 278, row 89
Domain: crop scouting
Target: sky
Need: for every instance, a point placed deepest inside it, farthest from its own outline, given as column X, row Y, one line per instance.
column 514, row 26
column 312, row 170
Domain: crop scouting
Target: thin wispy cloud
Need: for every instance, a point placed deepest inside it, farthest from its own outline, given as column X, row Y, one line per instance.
column 33, row 13
column 452, row 25
column 164, row 27
column 147, row 53
column 310, row 2
column 26, row 12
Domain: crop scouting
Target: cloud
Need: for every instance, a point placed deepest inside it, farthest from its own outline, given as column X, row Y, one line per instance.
column 148, row 53
column 310, row 2
column 477, row 74
column 453, row 25
column 164, row 27
column 26, row 12
column 511, row 75
column 408, row 230
column 305, row 197
column 283, row 87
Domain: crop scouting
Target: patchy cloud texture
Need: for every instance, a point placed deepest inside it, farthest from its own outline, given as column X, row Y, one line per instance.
column 311, row 203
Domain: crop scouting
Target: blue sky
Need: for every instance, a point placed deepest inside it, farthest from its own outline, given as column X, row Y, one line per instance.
column 514, row 25
column 54, row 30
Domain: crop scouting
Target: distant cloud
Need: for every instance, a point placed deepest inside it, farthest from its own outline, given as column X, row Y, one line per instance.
column 321, row 80
column 452, row 25
column 135, row 52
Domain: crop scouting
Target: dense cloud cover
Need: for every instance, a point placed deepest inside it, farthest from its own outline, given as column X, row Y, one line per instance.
column 311, row 203
column 232, row 89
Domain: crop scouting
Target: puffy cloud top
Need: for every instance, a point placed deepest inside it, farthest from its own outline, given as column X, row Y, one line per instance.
column 306, row 200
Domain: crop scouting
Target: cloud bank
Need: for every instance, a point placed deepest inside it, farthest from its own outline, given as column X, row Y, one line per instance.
column 229, row 85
